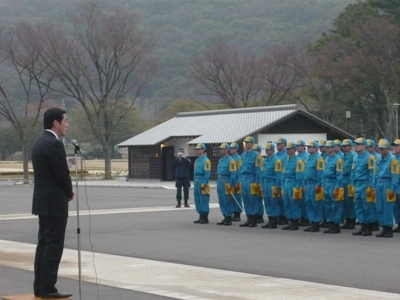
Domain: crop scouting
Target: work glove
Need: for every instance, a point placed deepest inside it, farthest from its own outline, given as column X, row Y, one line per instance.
column 275, row 192
column 237, row 187
column 370, row 192
column 335, row 193
column 228, row 188
column 203, row 187
column 257, row 188
column 391, row 195
column 297, row 194
column 318, row 189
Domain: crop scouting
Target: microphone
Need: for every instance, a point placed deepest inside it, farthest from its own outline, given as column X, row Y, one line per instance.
column 76, row 145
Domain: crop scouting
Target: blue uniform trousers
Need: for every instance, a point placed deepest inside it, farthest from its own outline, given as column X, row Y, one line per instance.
column 396, row 206
column 271, row 204
column 225, row 201
column 260, row 206
column 314, row 208
column 249, row 199
column 349, row 210
column 364, row 210
column 384, row 208
column 333, row 209
column 201, row 201
column 292, row 207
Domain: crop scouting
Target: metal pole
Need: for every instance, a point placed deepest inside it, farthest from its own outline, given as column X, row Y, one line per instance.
column 78, row 229
column 396, row 105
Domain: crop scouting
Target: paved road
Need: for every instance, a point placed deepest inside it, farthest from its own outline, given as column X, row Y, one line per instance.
column 162, row 233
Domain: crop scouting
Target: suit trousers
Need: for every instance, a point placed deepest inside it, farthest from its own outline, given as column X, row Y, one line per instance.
column 49, row 250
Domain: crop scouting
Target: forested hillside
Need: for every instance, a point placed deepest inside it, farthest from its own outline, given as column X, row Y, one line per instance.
column 183, row 29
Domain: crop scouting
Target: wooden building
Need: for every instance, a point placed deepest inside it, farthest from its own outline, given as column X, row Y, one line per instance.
column 151, row 153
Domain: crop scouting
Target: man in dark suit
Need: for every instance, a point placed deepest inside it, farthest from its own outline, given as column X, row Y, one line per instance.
column 51, row 194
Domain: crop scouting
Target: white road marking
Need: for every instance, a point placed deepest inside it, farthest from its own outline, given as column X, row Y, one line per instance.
column 110, row 211
column 182, row 281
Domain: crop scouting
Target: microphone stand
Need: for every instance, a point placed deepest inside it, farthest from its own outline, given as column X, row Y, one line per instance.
column 78, row 229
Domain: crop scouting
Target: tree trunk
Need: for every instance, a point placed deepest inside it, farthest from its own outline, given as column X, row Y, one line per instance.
column 107, row 162
column 25, row 163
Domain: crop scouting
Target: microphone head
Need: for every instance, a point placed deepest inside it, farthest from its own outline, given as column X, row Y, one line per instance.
column 73, row 142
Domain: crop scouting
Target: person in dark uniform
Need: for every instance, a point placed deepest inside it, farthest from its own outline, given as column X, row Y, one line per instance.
column 182, row 170
column 51, row 195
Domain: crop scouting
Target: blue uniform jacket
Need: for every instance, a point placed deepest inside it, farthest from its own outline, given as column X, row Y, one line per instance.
column 293, row 168
column 348, row 163
column 387, row 168
column 251, row 163
column 202, row 169
column 272, row 169
column 363, row 168
column 282, row 155
column 227, row 170
column 334, row 170
column 304, row 156
column 314, row 169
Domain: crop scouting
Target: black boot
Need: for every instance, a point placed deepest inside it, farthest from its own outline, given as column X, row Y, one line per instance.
column 204, row 220
column 382, row 233
column 315, row 228
column 352, row 224
column 222, row 222
column 259, row 219
column 247, row 223
column 304, row 222
column 389, row 232
column 254, row 220
column 273, row 223
column 282, row 220
column 178, row 204
column 330, row 224
column 267, row 224
column 367, row 230
column 374, row 226
column 287, row 227
column 360, row 231
column 186, row 203
column 346, row 224
column 294, row 225
column 228, row 221
column 397, row 229
column 324, row 224
column 200, row 218
column 308, row 229
column 335, row 228
column 236, row 216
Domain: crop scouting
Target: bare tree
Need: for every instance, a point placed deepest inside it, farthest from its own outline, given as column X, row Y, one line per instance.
column 24, row 83
column 223, row 72
column 104, row 66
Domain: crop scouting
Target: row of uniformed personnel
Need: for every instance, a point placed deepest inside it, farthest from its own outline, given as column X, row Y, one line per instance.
column 305, row 188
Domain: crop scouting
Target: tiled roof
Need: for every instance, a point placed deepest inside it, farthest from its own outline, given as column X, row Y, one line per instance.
column 214, row 126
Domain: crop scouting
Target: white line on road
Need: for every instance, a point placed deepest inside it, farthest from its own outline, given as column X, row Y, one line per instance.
column 182, row 281
column 110, row 211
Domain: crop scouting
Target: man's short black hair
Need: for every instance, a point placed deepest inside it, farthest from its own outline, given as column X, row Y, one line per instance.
column 51, row 115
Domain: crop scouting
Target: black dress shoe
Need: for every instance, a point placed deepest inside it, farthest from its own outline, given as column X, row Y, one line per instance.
column 56, row 295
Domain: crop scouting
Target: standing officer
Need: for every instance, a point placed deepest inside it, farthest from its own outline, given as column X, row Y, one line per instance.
column 281, row 154
column 396, row 206
column 260, row 205
column 303, row 155
column 333, row 190
column 324, row 155
column 362, row 178
column 313, row 192
column 250, row 171
column 233, row 148
column 182, row 167
column 202, row 170
column 337, row 148
column 371, row 149
column 387, row 178
column 271, row 185
column 227, row 175
column 349, row 212
column 292, row 178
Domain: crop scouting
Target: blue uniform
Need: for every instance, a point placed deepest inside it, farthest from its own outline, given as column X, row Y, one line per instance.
column 340, row 154
column 202, row 170
column 271, row 183
column 227, row 175
column 249, row 174
column 349, row 211
column 333, row 179
column 362, row 177
column 236, row 192
column 387, row 178
column 292, row 178
column 314, row 170
column 304, row 157
column 282, row 156
column 396, row 207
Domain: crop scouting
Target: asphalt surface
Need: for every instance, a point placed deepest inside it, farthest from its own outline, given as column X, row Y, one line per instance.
column 170, row 236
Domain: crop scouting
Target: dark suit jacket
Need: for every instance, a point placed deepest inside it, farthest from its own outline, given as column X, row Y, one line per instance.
column 52, row 183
